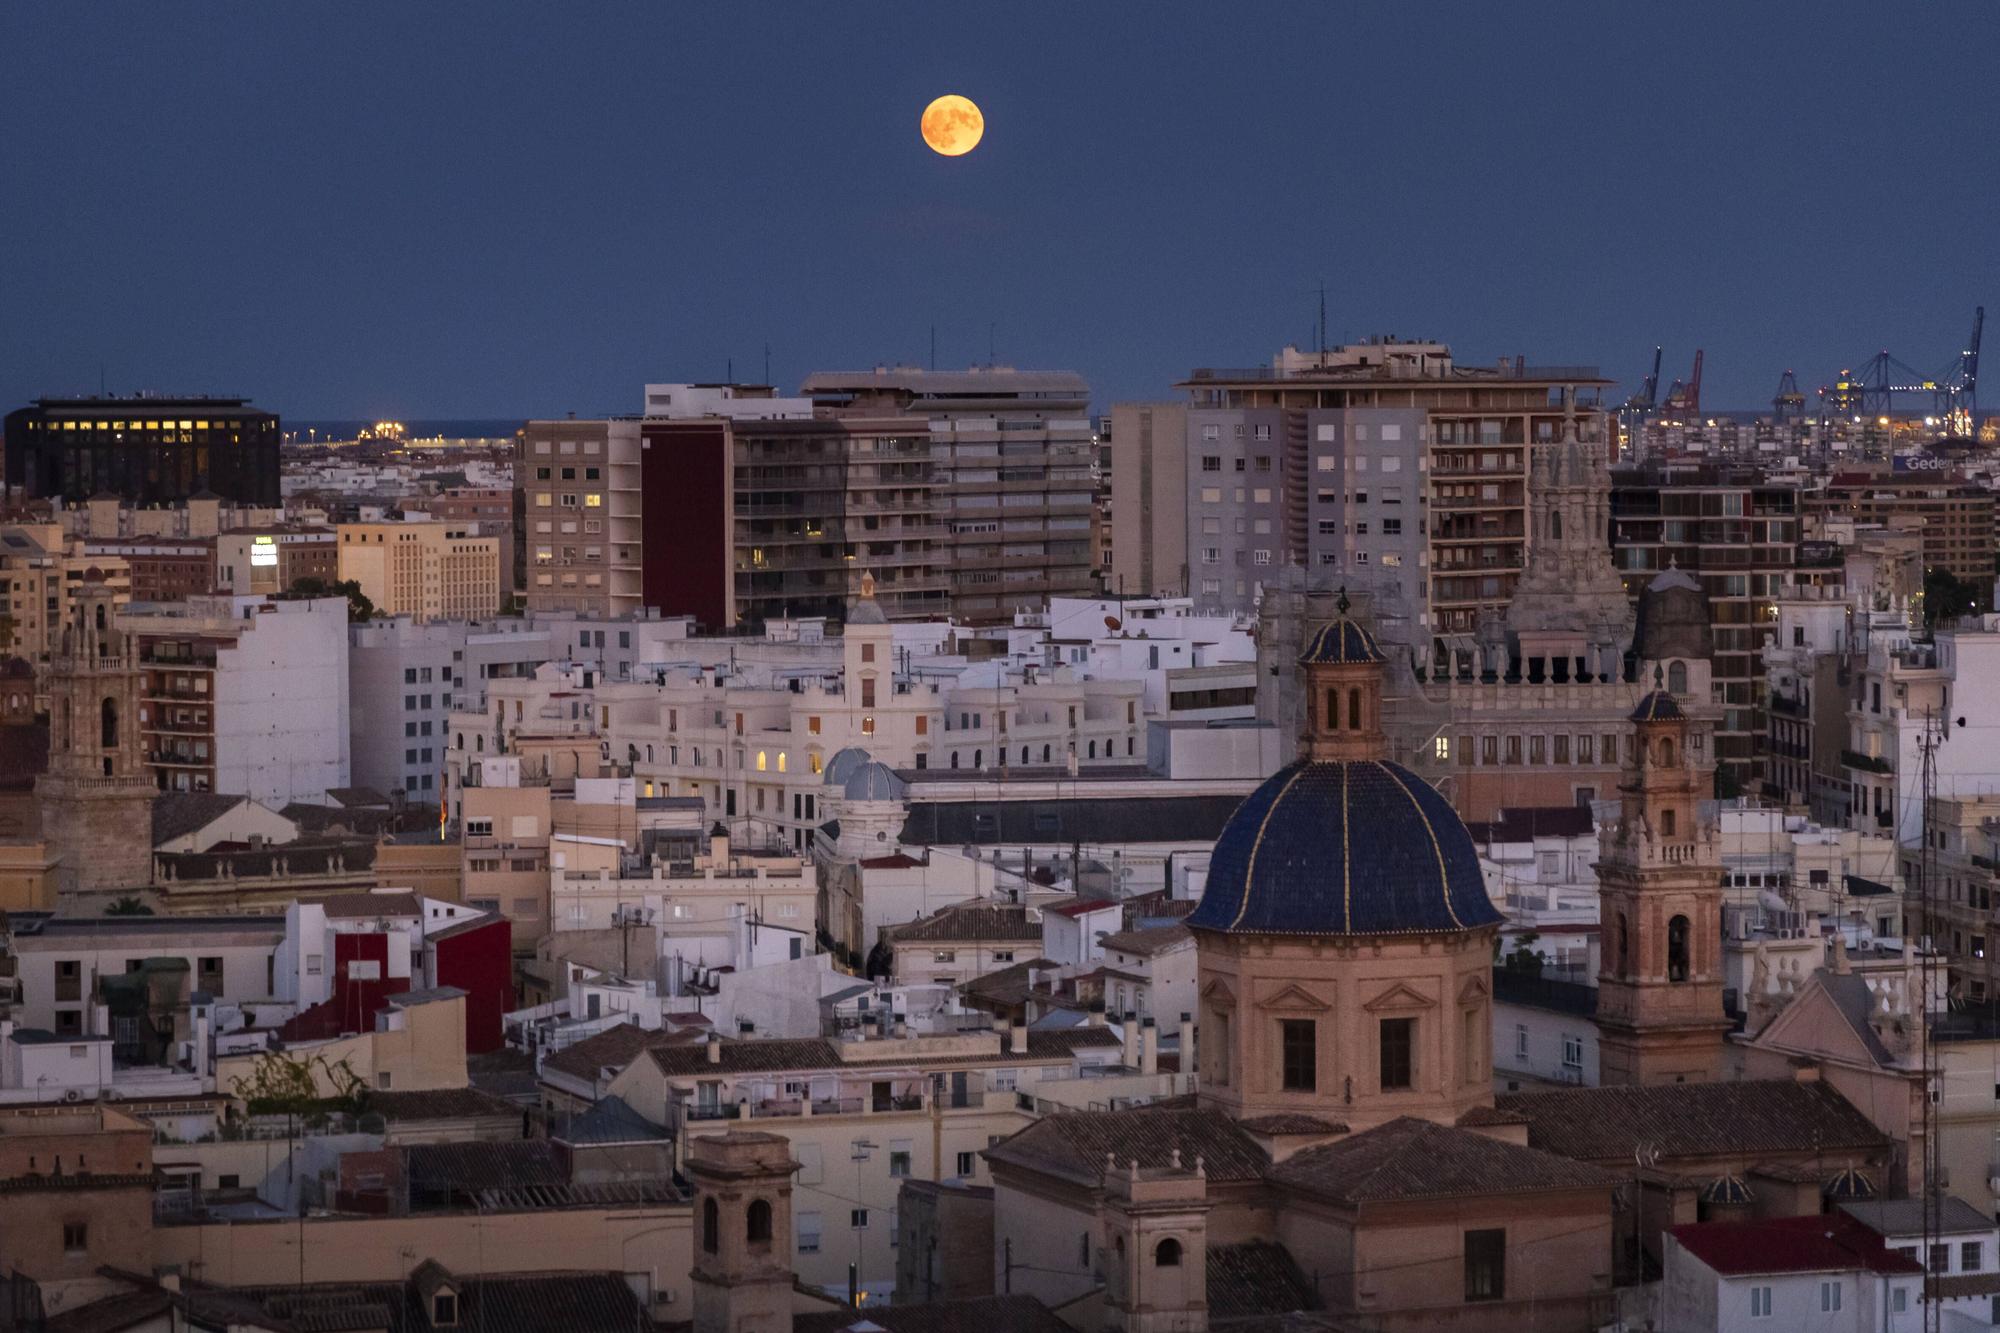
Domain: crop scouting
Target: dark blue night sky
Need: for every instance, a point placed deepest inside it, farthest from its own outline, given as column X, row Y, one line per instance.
column 484, row 210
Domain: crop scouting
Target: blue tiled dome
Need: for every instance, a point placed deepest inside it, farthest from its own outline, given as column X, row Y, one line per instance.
column 1339, row 643
column 1659, row 706
column 1361, row 848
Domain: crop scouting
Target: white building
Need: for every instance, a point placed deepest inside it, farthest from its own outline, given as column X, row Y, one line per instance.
column 1829, row 1274
column 275, row 676
column 1962, row 1256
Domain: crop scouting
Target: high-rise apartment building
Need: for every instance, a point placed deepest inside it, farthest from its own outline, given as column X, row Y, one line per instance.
column 580, row 542
column 1011, row 459
column 41, row 570
column 146, row 450
column 1146, row 520
column 1736, row 531
column 1386, row 465
column 424, row 570
column 1953, row 516
column 757, row 508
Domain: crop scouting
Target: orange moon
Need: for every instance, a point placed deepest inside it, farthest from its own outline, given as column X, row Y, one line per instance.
column 952, row 125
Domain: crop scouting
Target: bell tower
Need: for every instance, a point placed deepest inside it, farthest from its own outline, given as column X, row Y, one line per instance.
column 1156, row 1246
column 1659, row 986
column 96, row 798
column 1343, row 682
column 742, row 1232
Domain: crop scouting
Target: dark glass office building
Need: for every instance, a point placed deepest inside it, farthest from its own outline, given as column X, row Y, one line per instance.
column 144, row 450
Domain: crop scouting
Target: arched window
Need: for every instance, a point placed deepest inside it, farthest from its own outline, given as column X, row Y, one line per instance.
column 1083, row 1250
column 1677, row 677
column 1666, row 752
column 979, row 759
column 1624, row 946
column 954, row 759
column 1024, row 754
column 760, row 761
column 1093, row 749
column 781, row 761
column 1167, row 1254
column 1666, row 823
column 1045, row 754
column 1330, row 717
column 711, row 1226
column 1677, row 949
column 1556, row 525
column 757, row 1225
column 100, row 618
column 1354, row 710
column 108, row 724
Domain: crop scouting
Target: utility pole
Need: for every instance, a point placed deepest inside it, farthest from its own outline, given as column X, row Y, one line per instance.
column 1936, row 731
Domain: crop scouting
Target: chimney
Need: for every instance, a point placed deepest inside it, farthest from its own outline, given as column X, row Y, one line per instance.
column 714, row 1048
column 1187, row 1047
column 1017, row 1038
column 1096, row 1012
column 1149, row 1047
column 1131, row 1038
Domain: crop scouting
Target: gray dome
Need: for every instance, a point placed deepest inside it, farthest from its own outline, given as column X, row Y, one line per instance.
column 841, row 767
column 874, row 782
column 866, row 611
column 1674, row 619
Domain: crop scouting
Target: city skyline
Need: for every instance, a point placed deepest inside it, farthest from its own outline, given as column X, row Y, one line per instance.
column 376, row 215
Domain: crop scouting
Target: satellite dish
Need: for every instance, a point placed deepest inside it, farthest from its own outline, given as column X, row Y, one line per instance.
column 1113, row 623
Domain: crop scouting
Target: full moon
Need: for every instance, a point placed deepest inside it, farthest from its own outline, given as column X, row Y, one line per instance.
column 952, row 125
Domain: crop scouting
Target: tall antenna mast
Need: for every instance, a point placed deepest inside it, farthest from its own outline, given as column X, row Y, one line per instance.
column 1322, row 323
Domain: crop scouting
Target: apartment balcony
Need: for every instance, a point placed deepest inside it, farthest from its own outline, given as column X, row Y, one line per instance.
column 1866, row 763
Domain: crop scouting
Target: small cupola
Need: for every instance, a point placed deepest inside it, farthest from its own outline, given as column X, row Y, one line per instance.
column 1343, row 682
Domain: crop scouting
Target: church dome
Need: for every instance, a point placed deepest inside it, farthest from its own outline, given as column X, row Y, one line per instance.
column 1659, row 706
column 1362, row 847
column 873, row 781
column 843, row 764
column 1674, row 618
column 1340, row 642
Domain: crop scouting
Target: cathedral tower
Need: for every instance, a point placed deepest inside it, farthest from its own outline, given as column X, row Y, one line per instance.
column 1570, row 618
column 96, row 798
column 1659, row 987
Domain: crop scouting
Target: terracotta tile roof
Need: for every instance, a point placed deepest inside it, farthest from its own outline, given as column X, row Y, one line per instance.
column 113, row 1314
column 981, row 1314
column 1077, row 1144
column 748, row 1057
column 1076, row 907
column 969, row 924
column 177, row 813
column 613, row 1048
column 1148, row 942
column 1829, row 1243
column 1291, row 1122
column 356, row 905
column 1409, row 1158
column 1748, row 1119
column 1255, row 1278
column 573, row 1302
column 1490, row 1115
column 1008, row 986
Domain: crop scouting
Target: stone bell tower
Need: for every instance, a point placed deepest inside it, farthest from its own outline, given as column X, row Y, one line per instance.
column 1659, row 986
column 1156, row 1247
column 96, row 799
column 742, row 1232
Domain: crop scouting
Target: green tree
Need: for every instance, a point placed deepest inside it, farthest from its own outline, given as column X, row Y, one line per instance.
column 1947, row 597
column 359, row 607
column 129, row 905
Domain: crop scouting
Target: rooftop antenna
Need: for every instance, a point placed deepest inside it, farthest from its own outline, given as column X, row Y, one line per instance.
column 767, row 363
column 991, row 360
column 729, row 370
column 933, row 347
column 1322, row 321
